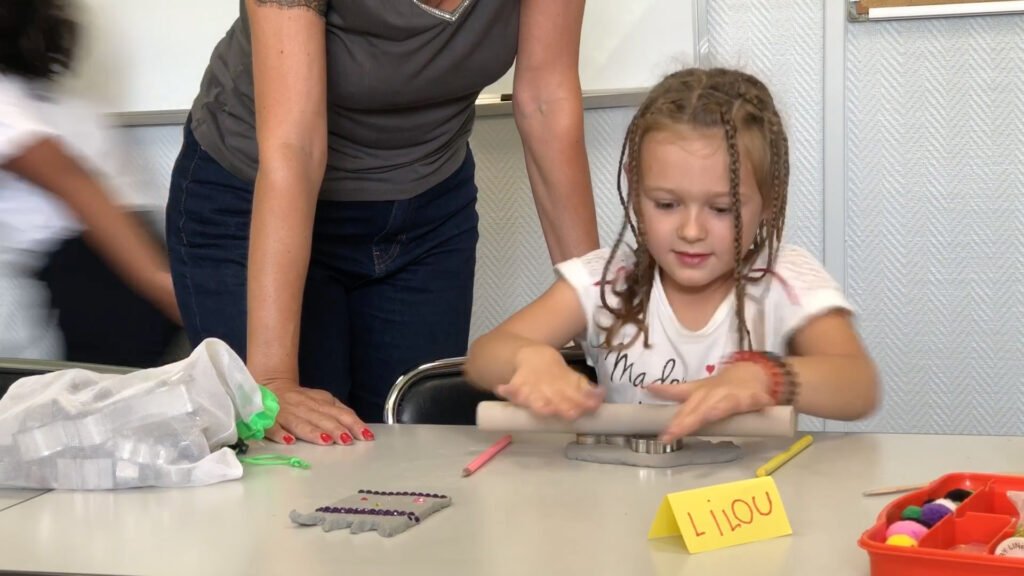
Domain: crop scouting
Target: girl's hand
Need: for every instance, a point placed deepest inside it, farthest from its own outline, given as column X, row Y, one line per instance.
column 544, row 384
column 314, row 416
column 738, row 388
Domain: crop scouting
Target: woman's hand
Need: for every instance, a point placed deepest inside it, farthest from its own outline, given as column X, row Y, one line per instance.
column 738, row 388
column 544, row 384
column 314, row 416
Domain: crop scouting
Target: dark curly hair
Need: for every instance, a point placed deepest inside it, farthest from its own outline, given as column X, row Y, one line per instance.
column 37, row 37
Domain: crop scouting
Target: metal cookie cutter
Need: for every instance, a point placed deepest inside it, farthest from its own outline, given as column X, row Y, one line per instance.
column 651, row 445
column 648, row 451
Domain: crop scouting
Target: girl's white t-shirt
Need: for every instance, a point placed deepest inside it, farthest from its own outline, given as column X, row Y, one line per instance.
column 776, row 307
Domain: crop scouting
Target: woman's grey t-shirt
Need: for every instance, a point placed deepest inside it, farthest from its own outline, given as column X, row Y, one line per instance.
column 402, row 81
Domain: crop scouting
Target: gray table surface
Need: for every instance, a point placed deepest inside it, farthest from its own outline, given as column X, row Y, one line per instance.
column 529, row 511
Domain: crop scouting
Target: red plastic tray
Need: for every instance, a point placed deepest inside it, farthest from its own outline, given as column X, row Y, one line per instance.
column 986, row 517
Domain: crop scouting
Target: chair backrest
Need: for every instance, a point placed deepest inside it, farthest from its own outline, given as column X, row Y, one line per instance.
column 14, row 369
column 437, row 393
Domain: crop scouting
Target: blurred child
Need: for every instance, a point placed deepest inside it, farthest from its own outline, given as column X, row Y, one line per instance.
column 52, row 182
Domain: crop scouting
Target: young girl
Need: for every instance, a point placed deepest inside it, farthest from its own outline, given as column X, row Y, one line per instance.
column 52, row 151
column 709, row 309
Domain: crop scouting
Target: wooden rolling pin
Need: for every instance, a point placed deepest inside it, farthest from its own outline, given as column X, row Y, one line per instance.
column 628, row 419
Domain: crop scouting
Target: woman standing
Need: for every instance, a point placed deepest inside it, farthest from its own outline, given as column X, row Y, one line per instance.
column 322, row 214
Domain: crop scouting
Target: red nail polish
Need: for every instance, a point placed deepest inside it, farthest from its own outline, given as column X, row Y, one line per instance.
column 367, row 435
column 325, row 437
column 289, row 439
column 346, row 438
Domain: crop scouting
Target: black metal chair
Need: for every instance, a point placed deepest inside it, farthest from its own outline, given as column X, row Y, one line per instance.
column 437, row 393
column 14, row 369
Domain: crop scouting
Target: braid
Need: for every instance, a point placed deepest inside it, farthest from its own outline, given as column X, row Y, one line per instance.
column 636, row 293
column 737, row 220
column 627, row 165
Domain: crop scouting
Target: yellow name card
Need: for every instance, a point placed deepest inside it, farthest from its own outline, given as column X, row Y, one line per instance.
column 722, row 515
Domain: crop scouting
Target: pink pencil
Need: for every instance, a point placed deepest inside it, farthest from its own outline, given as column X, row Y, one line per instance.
column 484, row 457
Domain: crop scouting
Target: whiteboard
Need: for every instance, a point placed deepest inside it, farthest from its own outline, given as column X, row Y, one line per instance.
column 147, row 55
column 150, row 55
column 629, row 44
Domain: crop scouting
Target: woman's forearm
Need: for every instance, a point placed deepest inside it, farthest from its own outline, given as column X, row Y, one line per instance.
column 556, row 162
column 289, row 78
column 279, row 251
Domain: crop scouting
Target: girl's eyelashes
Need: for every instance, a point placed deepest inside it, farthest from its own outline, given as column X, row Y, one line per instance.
column 666, row 205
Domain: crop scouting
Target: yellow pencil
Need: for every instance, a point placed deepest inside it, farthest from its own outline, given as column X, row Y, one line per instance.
column 777, row 462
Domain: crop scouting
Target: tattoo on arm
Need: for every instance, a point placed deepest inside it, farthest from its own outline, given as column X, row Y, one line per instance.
column 318, row 6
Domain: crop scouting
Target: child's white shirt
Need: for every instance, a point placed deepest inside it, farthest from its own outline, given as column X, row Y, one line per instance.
column 34, row 221
column 776, row 307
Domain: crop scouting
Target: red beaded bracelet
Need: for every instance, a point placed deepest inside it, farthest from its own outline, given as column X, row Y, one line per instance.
column 782, row 385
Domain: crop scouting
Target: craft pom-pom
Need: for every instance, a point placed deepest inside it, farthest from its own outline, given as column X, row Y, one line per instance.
column 906, row 527
column 901, row 540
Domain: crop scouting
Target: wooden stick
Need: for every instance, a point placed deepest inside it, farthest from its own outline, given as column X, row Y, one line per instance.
column 893, row 490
